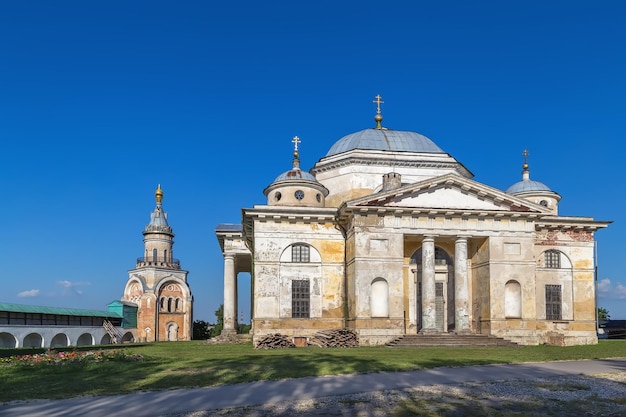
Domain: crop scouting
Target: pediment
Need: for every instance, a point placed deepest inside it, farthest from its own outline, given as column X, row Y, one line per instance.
column 448, row 192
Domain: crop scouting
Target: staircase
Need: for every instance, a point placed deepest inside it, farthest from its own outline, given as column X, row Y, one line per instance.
column 115, row 334
column 449, row 339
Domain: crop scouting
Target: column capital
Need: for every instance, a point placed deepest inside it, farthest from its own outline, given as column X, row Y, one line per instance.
column 429, row 238
column 462, row 238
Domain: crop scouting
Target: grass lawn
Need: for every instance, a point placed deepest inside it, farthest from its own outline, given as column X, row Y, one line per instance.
column 195, row 364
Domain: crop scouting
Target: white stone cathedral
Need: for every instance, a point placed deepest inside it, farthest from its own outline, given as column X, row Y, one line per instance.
column 389, row 235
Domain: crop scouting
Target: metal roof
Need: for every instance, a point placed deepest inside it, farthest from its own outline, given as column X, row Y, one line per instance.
column 527, row 185
column 295, row 174
column 61, row 311
column 385, row 140
column 229, row 227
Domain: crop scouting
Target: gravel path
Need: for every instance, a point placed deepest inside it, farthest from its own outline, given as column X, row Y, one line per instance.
column 597, row 395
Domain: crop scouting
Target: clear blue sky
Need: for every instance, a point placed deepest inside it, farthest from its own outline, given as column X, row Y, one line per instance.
column 102, row 101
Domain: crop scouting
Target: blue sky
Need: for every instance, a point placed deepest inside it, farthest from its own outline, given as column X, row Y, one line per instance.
column 102, row 101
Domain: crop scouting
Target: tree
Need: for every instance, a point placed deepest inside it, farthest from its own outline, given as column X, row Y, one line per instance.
column 219, row 314
column 603, row 314
column 243, row 328
column 202, row 330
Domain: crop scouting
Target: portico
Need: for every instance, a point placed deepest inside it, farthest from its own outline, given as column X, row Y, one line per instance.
column 237, row 258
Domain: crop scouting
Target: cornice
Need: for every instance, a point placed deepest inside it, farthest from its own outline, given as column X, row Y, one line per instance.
column 289, row 214
column 390, row 162
column 570, row 223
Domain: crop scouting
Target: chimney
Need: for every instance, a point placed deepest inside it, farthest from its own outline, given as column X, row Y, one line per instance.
column 391, row 181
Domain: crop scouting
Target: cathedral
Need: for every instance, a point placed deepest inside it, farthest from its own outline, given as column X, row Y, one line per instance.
column 388, row 235
column 157, row 288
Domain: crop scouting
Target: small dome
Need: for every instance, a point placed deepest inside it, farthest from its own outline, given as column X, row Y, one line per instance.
column 295, row 174
column 385, row 140
column 527, row 186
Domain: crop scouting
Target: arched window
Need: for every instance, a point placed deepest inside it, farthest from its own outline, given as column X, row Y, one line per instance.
column 552, row 259
column 300, row 252
column 169, row 305
column 154, row 255
column 178, row 302
column 165, row 256
column 441, row 257
column 379, row 298
column 162, row 303
column 513, row 300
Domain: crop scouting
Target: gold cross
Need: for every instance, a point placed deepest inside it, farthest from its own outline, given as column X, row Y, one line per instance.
column 378, row 102
column 295, row 142
column 525, row 153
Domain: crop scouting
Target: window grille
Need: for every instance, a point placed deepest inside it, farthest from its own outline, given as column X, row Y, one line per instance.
column 300, row 253
column 300, row 298
column 553, row 302
column 553, row 259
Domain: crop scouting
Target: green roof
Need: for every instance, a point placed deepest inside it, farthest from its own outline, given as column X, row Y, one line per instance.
column 22, row 308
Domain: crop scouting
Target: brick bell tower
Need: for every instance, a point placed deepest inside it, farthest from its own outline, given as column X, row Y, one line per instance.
column 158, row 286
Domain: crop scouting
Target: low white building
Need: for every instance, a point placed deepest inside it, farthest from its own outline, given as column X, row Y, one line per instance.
column 49, row 327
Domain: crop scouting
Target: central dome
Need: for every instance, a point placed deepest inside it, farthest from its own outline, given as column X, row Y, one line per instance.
column 385, row 140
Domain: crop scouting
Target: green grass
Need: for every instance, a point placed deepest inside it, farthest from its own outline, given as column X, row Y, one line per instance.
column 195, row 364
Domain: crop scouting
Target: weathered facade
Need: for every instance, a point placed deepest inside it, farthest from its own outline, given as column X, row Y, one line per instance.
column 389, row 235
column 158, row 286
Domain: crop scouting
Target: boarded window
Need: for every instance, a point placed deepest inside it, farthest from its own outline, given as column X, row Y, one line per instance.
column 553, row 259
column 513, row 300
column 379, row 298
column 553, row 302
column 300, row 298
column 300, row 253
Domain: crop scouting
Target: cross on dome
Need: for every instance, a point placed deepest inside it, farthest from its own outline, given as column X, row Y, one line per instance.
column 296, row 140
column 378, row 102
column 525, row 154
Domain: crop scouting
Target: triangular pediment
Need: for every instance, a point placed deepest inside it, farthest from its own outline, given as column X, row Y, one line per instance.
column 448, row 192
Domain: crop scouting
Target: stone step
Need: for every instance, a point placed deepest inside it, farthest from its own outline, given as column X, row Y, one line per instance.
column 446, row 339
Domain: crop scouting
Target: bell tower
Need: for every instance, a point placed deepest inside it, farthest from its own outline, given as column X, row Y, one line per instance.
column 158, row 286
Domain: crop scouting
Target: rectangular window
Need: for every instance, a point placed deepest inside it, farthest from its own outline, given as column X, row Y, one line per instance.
column 553, row 259
column 300, row 253
column 300, row 298
column 553, row 302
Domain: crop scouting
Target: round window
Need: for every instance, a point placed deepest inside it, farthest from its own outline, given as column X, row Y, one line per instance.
column 278, row 196
column 299, row 194
column 543, row 203
column 318, row 197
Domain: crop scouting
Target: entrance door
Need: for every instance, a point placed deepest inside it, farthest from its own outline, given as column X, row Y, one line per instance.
column 440, row 306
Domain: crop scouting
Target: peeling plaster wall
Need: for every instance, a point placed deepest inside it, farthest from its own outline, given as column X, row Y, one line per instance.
column 273, row 277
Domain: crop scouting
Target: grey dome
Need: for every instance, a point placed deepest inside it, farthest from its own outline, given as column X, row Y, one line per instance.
column 527, row 186
column 295, row 174
column 385, row 140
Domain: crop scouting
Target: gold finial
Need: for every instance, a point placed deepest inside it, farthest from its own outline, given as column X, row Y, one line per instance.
column 159, row 194
column 379, row 117
column 525, row 153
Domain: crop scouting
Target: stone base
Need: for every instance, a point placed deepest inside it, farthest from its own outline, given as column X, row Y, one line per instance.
column 429, row 332
column 228, row 336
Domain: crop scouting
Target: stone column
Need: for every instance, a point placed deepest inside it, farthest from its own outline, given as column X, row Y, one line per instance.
column 429, row 323
column 461, row 287
column 230, row 296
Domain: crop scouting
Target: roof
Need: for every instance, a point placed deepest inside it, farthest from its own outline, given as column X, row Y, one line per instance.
column 527, row 185
column 229, row 227
column 295, row 174
column 385, row 140
column 22, row 308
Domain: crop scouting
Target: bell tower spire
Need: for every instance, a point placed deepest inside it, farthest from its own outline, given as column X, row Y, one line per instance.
column 157, row 285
